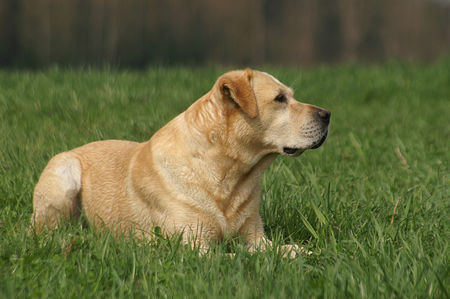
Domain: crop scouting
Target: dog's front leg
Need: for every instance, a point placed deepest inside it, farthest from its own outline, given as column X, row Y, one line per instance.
column 197, row 236
column 253, row 231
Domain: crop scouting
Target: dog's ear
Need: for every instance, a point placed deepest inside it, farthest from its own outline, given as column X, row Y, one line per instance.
column 237, row 87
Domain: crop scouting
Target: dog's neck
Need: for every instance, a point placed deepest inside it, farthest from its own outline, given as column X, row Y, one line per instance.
column 220, row 124
column 223, row 132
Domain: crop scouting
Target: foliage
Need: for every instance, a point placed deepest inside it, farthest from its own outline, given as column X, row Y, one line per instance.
column 135, row 33
column 372, row 203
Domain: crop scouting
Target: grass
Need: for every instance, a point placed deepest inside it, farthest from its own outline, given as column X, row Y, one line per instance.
column 372, row 203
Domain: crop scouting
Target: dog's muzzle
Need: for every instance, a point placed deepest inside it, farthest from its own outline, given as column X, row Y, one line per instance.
column 323, row 116
column 321, row 141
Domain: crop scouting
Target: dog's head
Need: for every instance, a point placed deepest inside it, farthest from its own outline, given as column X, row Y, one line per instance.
column 267, row 109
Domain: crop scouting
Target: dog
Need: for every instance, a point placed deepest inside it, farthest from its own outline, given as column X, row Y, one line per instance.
column 197, row 176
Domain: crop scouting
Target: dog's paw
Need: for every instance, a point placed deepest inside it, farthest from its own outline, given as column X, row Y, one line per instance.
column 292, row 251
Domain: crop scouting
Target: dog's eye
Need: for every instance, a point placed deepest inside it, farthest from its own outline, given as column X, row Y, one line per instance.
column 280, row 98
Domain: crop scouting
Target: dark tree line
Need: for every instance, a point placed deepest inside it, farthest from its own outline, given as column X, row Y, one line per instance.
column 294, row 32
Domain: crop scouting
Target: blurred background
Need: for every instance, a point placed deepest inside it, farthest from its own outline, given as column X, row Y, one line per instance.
column 138, row 33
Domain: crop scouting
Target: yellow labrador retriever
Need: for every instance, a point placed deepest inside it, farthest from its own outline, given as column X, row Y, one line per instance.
column 198, row 175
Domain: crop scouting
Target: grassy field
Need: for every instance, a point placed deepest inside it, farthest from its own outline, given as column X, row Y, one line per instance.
column 372, row 203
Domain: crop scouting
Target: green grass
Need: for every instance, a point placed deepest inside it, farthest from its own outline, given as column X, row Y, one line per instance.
column 372, row 203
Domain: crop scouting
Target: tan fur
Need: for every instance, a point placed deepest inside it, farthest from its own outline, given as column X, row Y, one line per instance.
column 198, row 175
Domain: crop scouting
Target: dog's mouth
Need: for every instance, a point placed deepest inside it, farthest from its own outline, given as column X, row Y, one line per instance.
column 293, row 151
column 290, row 151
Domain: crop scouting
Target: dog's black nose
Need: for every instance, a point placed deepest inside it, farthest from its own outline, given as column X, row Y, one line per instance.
column 323, row 115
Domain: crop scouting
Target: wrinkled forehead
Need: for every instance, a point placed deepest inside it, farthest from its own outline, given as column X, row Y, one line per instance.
column 264, row 83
